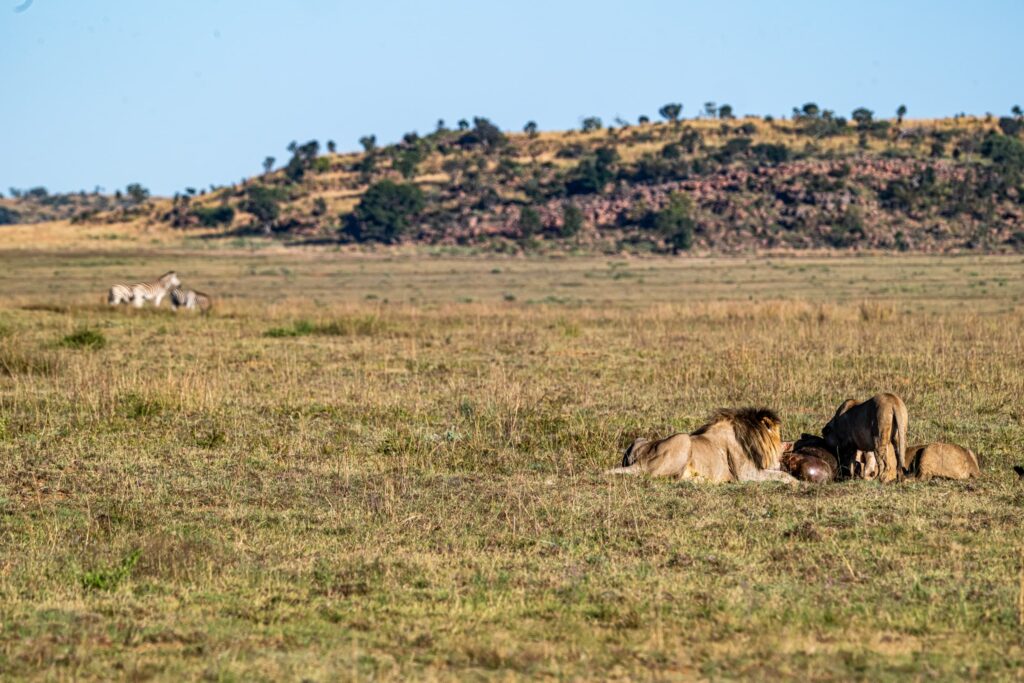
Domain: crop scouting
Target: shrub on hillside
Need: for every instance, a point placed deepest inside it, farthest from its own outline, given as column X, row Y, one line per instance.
column 775, row 154
column 483, row 134
column 214, row 215
column 529, row 222
column 674, row 223
column 1010, row 126
column 572, row 220
column 385, row 212
column 593, row 173
column 8, row 216
column 1004, row 151
column 263, row 203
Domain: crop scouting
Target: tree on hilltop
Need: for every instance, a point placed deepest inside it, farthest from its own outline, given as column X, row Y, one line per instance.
column 901, row 111
column 137, row 193
column 671, row 112
column 863, row 116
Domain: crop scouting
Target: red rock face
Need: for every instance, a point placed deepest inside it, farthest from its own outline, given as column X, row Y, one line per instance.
column 797, row 205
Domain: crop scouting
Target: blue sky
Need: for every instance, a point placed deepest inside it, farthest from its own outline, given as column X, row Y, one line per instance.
column 172, row 94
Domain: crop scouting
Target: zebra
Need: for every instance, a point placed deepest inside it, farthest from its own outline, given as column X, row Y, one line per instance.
column 138, row 294
column 189, row 299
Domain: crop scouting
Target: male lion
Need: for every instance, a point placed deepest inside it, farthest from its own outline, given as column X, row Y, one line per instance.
column 874, row 425
column 944, row 461
column 735, row 445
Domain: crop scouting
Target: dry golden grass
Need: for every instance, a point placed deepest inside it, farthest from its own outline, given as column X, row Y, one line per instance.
column 389, row 467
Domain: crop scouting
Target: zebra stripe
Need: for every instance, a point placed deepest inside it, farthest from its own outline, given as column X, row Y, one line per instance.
column 139, row 293
column 190, row 300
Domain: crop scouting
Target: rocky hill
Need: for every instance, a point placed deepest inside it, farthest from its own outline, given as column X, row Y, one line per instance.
column 812, row 181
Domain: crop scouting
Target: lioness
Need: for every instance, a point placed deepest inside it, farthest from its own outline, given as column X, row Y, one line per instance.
column 874, row 425
column 943, row 460
column 735, row 445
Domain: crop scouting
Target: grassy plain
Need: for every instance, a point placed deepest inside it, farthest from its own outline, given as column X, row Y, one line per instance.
column 390, row 468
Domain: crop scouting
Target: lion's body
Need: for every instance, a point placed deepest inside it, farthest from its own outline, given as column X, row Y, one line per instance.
column 735, row 445
column 877, row 424
column 944, row 461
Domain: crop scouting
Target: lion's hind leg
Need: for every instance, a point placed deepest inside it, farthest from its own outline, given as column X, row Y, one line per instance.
column 665, row 458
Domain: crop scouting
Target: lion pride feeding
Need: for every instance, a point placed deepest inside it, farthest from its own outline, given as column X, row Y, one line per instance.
column 745, row 444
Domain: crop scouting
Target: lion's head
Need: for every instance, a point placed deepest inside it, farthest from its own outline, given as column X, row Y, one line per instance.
column 633, row 452
column 828, row 432
column 758, row 431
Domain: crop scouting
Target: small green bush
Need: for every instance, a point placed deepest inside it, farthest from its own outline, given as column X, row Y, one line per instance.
column 300, row 328
column 110, row 578
column 84, row 339
column 134, row 406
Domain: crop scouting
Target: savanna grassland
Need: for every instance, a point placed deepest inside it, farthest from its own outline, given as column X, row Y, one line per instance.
column 390, row 467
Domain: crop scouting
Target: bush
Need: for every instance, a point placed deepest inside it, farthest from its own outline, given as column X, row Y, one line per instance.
column 407, row 161
column 484, row 134
column 529, row 222
column 572, row 220
column 8, row 216
column 84, row 339
column 734, row 147
column 385, row 212
column 1004, row 151
column 591, row 175
column 263, row 203
column 1010, row 126
column 775, row 154
column 109, row 579
column 216, row 215
column 300, row 328
column 674, row 223
column 850, row 229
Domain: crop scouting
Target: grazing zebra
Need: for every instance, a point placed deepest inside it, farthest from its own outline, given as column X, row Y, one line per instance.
column 138, row 294
column 189, row 299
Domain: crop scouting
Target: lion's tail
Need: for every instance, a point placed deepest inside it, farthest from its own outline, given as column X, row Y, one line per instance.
column 977, row 459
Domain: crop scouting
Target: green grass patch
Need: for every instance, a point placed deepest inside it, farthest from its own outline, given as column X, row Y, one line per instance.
column 84, row 339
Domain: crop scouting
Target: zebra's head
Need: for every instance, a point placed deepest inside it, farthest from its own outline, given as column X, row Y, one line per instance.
column 170, row 279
